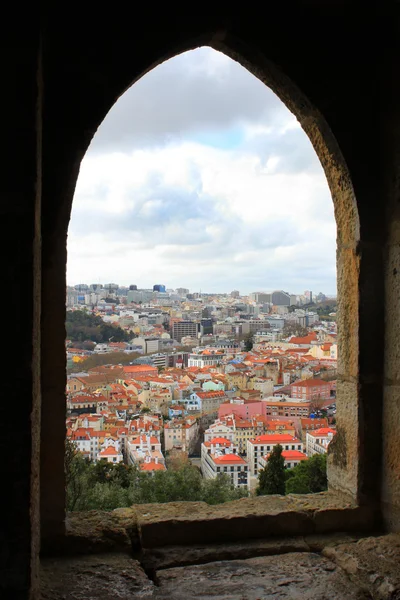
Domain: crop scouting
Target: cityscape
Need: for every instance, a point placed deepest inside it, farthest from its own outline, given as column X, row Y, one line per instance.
column 161, row 380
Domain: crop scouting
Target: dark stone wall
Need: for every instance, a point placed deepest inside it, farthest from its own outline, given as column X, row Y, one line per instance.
column 337, row 75
column 21, row 100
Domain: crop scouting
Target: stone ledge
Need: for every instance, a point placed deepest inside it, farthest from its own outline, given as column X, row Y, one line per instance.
column 95, row 531
column 184, row 523
column 166, row 557
column 191, row 523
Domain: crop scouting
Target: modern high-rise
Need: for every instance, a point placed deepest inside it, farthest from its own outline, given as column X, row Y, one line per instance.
column 182, row 291
column 182, row 329
column 280, row 298
column 261, row 297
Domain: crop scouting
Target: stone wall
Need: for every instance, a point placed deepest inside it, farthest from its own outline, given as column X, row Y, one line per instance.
column 328, row 67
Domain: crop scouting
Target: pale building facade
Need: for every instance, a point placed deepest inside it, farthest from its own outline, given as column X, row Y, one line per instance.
column 262, row 445
column 220, row 456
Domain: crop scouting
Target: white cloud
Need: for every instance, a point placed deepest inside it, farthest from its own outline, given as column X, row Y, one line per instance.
column 252, row 211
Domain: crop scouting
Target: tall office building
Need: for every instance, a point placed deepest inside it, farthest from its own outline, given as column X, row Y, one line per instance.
column 182, row 329
column 280, row 298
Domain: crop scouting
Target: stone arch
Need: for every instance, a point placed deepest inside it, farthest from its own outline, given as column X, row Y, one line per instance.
column 347, row 463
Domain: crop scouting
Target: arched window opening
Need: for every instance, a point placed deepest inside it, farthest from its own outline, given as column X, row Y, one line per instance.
column 195, row 357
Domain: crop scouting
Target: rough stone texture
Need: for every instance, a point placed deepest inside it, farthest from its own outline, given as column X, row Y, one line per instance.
column 182, row 523
column 101, row 577
column 87, row 64
column 373, row 564
column 291, row 576
column 99, row 531
column 166, row 557
column 109, row 577
column 154, row 559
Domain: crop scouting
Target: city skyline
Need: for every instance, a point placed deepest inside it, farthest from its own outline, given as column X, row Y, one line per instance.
column 209, row 178
column 203, row 291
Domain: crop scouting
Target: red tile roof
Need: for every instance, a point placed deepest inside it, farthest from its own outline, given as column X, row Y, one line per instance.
column 283, row 438
column 229, row 458
column 110, row 451
column 294, row 455
column 311, row 383
column 218, row 440
column 323, row 432
column 152, row 466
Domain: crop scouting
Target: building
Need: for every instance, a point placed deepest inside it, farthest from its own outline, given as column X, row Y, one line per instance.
column 263, row 444
column 286, row 407
column 311, row 389
column 308, row 424
column 130, row 371
column 205, row 358
column 254, row 326
column 221, row 428
column 182, row 291
column 181, row 434
column 209, row 404
column 291, row 457
column 317, row 441
column 182, row 329
column 144, row 448
column 280, row 298
column 218, row 456
column 159, row 288
column 110, row 454
column 261, row 297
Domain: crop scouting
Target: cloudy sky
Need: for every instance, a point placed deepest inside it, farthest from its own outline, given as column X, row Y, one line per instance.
column 200, row 177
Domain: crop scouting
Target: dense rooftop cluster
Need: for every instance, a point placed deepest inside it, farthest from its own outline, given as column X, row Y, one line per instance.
column 216, row 379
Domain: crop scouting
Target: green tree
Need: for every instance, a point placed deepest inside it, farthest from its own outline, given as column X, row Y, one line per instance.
column 83, row 326
column 76, row 476
column 220, row 489
column 294, row 329
column 271, row 479
column 97, row 360
column 107, row 486
column 249, row 342
column 298, row 484
column 308, row 477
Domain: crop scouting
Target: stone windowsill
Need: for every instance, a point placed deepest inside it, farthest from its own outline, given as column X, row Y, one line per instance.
column 188, row 523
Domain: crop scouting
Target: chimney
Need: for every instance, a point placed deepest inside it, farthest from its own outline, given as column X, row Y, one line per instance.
column 148, row 459
column 156, row 460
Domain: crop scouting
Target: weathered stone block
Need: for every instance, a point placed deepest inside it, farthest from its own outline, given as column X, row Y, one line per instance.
column 98, row 577
column 295, row 575
column 390, row 457
column 345, row 519
column 98, row 531
column 372, row 564
column 392, row 314
column 183, row 523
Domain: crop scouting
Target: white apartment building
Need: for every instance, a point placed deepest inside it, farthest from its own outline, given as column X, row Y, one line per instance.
column 219, row 429
column 292, row 459
column 317, row 441
column 144, row 448
column 218, row 456
column 81, row 438
column 262, row 445
column 205, row 358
